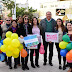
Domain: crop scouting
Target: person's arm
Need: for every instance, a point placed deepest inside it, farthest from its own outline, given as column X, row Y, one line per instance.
column 1, row 32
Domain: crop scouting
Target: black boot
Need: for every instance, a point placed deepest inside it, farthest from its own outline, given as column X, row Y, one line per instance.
column 15, row 66
column 60, row 66
column 32, row 65
column 10, row 67
column 44, row 63
column 27, row 67
column 64, row 67
column 6, row 63
column 37, row 65
column 23, row 66
column 50, row 63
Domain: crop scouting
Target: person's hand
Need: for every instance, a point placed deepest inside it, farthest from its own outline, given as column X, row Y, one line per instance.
column 21, row 37
column 50, row 42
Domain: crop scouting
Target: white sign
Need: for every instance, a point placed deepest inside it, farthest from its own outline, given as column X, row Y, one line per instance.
column 53, row 37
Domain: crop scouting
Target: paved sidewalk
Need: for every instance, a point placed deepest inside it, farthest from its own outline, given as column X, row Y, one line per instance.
column 47, row 68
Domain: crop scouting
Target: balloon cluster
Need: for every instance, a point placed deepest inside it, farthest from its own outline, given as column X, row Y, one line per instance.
column 66, row 47
column 2, row 55
column 11, row 45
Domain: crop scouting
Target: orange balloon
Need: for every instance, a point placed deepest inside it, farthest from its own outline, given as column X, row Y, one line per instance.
column 0, row 51
column 23, row 53
column 70, row 52
column 68, row 56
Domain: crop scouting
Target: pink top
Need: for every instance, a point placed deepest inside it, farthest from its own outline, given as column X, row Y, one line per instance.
column 36, row 31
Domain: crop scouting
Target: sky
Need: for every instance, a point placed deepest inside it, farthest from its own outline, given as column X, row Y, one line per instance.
column 33, row 3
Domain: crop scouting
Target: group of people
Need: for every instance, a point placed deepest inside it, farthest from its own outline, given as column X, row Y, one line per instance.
column 23, row 28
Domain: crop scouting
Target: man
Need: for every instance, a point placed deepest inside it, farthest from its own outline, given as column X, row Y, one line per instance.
column 5, row 27
column 20, row 21
column 48, row 25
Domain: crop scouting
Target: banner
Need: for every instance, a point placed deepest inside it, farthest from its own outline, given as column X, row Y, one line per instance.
column 53, row 37
column 30, row 41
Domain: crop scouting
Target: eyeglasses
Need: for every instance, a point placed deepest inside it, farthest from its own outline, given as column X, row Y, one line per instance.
column 26, row 19
column 7, row 20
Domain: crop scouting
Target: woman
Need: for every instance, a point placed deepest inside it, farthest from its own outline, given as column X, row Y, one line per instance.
column 13, row 29
column 37, row 31
column 60, row 28
column 20, row 22
column 26, row 29
column 69, row 28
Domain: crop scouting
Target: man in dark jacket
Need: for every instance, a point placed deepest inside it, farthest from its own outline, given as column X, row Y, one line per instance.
column 48, row 25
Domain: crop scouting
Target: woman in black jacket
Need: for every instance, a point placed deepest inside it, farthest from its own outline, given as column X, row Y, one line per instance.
column 26, row 29
column 13, row 29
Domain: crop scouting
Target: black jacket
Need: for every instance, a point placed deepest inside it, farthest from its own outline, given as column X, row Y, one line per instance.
column 23, row 30
column 17, row 31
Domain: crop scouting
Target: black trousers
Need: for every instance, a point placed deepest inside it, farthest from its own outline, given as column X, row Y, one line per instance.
column 36, row 53
column 24, row 60
column 50, row 51
column 19, row 59
column 10, row 61
column 70, row 65
column 59, row 56
column 6, row 60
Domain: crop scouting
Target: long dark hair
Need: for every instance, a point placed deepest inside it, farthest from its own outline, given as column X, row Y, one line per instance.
column 62, row 26
column 24, row 17
column 37, row 21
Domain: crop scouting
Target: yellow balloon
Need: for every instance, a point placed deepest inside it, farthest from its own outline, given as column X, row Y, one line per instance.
column 20, row 47
column 15, row 43
column 8, row 34
column 9, row 53
column 7, row 41
column 63, row 45
column 15, row 56
column 3, row 48
column 14, row 36
column 16, row 51
column 9, row 48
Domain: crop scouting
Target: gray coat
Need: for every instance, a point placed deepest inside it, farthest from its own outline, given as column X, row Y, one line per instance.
column 43, row 26
column 4, row 30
